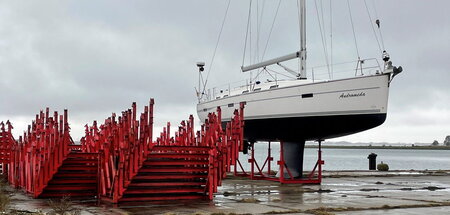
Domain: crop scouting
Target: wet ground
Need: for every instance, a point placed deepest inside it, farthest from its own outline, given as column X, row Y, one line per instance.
column 340, row 193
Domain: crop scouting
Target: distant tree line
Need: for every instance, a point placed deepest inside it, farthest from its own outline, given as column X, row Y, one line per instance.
column 446, row 142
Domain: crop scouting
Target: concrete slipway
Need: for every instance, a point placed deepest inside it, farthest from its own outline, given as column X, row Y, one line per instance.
column 352, row 192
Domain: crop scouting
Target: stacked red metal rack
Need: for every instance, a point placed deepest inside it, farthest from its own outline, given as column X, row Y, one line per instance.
column 118, row 161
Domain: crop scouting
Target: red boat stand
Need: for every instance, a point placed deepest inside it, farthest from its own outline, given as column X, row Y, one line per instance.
column 258, row 173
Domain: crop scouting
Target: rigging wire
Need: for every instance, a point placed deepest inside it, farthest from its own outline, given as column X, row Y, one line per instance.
column 300, row 36
column 373, row 28
column 279, row 73
column 268, row 72
column 323, row 22
column 353, row 28
column 259, row 72
column 379, row 29
column 331, row 39
column 324, row 38
column 217, row 44
column 324, row 44
column 247, row 32
column 250, row 38
column 259, row 22
column 271, row 29
column 330, row 74
column 257, row 33
column 262, row 13
column 251, row 43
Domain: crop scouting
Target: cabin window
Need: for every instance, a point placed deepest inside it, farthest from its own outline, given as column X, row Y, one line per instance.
column 307, row 95
column 245, row 91
column 205, row 109
column 257, row 89
column 231, row 105
column 225, row 96
column 218, row 97
column 273, row 86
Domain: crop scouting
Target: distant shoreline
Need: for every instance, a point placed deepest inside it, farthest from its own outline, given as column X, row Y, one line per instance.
column 382, row 147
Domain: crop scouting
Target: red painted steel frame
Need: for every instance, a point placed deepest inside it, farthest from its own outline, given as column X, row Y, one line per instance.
column 314, row 177
column 38, row 154
column 6, row 142
column 124, row 144
column 224, row 144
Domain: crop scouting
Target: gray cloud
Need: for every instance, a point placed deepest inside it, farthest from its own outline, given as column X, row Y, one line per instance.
column 96, row 57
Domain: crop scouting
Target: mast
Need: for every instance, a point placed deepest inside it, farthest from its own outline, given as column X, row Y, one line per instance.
column 302, row 16
column 300, row 54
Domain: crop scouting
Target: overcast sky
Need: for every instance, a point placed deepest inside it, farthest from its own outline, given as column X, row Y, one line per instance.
column 97, row 57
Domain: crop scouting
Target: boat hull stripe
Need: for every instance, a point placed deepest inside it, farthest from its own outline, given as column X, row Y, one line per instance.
column 327, row 113
column 293, row 86
column 291, row 96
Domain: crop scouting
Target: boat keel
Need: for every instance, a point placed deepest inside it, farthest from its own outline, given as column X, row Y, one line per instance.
column 293, row 158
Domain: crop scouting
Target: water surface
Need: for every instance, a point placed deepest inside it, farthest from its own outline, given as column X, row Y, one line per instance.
column 356, row 159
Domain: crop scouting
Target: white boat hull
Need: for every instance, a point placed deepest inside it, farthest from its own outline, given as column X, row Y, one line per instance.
column 310, row 111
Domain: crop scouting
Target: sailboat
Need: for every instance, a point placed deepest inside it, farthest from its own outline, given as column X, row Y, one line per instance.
column 302, row 109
